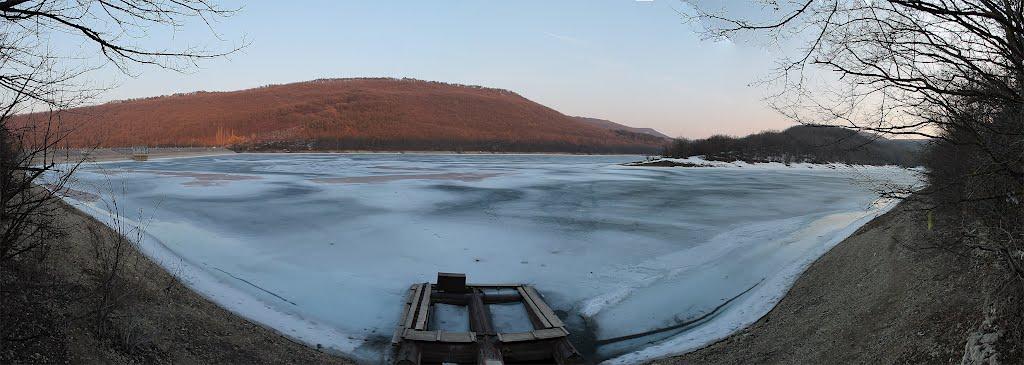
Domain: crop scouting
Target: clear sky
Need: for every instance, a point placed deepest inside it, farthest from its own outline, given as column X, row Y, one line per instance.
column 632, row 62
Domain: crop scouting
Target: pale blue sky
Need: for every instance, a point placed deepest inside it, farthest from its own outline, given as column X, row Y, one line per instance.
column 631, row 62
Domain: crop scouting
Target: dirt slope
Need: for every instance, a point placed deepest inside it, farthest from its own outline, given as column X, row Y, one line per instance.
column 879, row 297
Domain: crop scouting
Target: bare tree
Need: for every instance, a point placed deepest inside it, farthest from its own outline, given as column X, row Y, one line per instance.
column 948, row 70
column 35, row 74
column 42, row 64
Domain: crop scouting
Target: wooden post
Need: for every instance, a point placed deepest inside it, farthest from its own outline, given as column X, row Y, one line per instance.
column 565, row 354
column 489, row 353
column 479, row 315
column 408, row 354
column 451, row 282
column 480, row 322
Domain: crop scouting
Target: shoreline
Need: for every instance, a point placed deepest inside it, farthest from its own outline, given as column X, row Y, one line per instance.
column 123, row 154
column 98, row 155
column 445, row 153
column 878, row 296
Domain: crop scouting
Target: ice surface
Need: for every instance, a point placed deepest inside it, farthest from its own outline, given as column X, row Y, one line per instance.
column 323, row 247
column 449, row 318
column 510, row 318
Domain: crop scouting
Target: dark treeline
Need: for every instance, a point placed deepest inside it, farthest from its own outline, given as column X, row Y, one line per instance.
column 816, row 144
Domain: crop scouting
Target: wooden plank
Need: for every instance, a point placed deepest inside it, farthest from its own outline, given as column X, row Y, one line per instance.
column 544, row 309
column 463, row 299
column 534, row 311
column 548, row 333
column 439, row 336
column 501, row 298
column 419, row 335
column 405, row 313
column 410, row 319
column 486, row 286
column 460, row 337
column 424, row 312
column 516, row 337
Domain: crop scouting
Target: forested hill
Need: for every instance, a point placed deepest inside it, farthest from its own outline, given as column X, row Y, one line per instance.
column 803, row 144
column 607, row 124
column 348, row 114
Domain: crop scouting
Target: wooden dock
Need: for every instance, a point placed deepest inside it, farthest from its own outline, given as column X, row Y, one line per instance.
column 418, row 340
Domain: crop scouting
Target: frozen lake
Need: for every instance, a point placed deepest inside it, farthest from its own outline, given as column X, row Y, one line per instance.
column 322, row 247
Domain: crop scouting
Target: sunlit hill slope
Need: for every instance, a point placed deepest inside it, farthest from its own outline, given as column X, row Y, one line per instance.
column 347, row 114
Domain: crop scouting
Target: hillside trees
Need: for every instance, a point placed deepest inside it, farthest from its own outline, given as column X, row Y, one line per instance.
column 347, row 114
column 816, row 144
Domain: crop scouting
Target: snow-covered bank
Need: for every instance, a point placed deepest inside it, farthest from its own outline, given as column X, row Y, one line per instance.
column 617, row 250
column 699, row 161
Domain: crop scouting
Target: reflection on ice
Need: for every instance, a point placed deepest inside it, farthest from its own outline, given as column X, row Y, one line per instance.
column 323, row 247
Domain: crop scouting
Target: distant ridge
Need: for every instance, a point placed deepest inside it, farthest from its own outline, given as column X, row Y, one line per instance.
column 607, row 124
column 348, row 114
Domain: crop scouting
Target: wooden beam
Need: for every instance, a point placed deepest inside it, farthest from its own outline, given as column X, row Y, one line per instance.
column 543, row 307
column 539, row 320
column 410, row 319
column 549, row 333
column 409, row 298
column 479, row 315
column 424, row 311
column 463, row 299
column 516, row 337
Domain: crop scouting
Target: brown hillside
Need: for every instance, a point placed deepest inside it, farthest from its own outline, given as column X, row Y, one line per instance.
column 346, row 114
